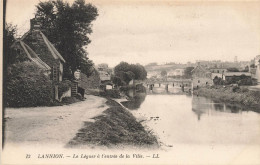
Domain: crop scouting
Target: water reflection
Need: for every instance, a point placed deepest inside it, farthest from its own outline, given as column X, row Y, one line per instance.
column 201, row 105
column 197, row 120
column 135, row 102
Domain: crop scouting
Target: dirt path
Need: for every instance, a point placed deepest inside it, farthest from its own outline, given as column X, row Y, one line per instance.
column 50, row 125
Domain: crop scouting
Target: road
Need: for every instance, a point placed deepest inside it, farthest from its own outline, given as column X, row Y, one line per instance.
column 50, row 125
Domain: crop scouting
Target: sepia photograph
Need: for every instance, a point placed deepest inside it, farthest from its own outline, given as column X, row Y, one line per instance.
column 130, row 82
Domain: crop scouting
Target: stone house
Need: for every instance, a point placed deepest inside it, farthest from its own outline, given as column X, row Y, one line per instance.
column 34, row 46
column 104, row 72
column 201, row 77
column 219, row 72
column 176, row 72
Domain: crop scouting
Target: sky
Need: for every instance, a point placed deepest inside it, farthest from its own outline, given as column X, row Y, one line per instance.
column 150, row 31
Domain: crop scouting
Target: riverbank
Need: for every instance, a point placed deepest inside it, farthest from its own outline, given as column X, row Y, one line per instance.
column 232, row 95
column 116, row 127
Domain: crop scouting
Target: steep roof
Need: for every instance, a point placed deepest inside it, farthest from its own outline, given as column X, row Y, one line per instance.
column 51, row 48
column 199, row 67
column 32, row 55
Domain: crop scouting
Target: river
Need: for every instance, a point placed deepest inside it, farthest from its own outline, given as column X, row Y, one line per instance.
column 198, row 124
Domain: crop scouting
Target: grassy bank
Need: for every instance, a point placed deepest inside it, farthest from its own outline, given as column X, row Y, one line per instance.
column 233, row 95
column 116, row 127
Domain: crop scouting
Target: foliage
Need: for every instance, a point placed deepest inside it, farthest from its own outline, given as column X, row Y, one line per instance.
column 67, row 27
column 126, row 72
column 27, row 86
column 187, row 72
column 232, row 95
column 112, row 93
column 240, row 80
column 135, row 102
column 152, row 64
column 163, row 73
column 218, row 81
column 246, row 69
column 252, row 66
column 9, row 33
column 232, row 70
column 118, row 127
column 117, row 81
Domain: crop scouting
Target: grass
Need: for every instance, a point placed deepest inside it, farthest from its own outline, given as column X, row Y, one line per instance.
column 116, row 127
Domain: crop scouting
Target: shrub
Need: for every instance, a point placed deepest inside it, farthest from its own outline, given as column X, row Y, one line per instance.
column 113, row 93
column 26, row 85
column 235, row 88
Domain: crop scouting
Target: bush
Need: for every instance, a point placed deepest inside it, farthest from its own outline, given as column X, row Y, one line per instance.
column 27, row 86
column 113, row 93
column 235, row 88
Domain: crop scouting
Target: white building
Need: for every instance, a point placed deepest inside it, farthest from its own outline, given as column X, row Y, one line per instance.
column 257, row 66
column 176, row 72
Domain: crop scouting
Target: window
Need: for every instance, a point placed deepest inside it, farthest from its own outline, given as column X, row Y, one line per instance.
column 206, row 83
column 218, row 71
column 198, row 81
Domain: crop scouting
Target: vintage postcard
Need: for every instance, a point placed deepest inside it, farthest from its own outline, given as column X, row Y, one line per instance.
column 130, row 82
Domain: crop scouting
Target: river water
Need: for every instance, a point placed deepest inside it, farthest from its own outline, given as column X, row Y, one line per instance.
column 198, row 124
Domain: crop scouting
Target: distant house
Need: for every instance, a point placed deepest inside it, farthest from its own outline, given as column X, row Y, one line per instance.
column 257, row 66
column 217, row 72
column 201, row 77
column 90, row 82
column 104, row 72
column 176, row 72
column 35, row 47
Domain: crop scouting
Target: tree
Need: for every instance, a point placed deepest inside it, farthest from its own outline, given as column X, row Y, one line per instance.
column 252, row 66
column 130, row 76
column 117, row 81
column 187, row 72
column 163, row 73
column 246, row 69
column 9, row 38
column 232, row 70
column 67, row 27
column 218, row 81
column 127, row 72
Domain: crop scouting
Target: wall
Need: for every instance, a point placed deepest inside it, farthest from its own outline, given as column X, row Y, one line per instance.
column 66, row 94
column 200, row 82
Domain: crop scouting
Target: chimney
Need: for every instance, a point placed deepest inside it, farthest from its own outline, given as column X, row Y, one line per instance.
column 35, row 25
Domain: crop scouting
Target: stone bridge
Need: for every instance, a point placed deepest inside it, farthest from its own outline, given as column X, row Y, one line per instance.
column 175, row 82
